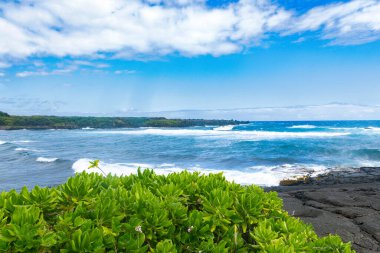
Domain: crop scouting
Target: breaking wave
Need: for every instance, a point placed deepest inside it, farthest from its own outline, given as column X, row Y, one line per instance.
column 46, row 160
column 224, row 128
column 259, row 175
column 303, row 126
column 22, row 149
column 247, row 135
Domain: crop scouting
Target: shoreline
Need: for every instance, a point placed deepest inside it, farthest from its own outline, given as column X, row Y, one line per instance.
column 344, row 203
column 15, row 122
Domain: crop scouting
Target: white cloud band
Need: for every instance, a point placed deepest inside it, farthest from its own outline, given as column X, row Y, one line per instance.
column 134, row 28
column 354, row 22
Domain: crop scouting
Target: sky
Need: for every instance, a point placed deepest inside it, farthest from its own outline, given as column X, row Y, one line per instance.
column 241, row 59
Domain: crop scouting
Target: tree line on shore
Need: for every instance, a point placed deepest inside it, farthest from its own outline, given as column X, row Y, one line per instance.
column 10, row 122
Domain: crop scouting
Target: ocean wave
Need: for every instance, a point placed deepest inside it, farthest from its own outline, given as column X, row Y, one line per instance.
column 368, row 163
column 2, row 142
column 22, row 141
column 224, row 128
column 22, row 149
column 46, row 160
column 87, row 128
column 373, row 129
column 27, row 149
column 303, row 126
column 259, row 175
column 246, row 135
column 344, row 128
column 274, row 174
column 366, row 130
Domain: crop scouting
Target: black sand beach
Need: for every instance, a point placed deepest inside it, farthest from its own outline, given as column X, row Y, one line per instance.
column 343, row 203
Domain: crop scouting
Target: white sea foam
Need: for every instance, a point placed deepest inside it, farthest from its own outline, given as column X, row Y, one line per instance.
column 23, row 141
column 22, row 149
column 46, row 160
column 224, row 128
column 246, row 135
column 259, row 175
column 87, row 128
column 373, row 129
column 303, row 126
column 345, row 128
column 358, row 130
column 27, row 149
column 368, row 163
column 2, row 142
column 274, row 174
column 167, row 165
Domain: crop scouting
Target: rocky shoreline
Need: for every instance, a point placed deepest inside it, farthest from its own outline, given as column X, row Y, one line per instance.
column 346, row 203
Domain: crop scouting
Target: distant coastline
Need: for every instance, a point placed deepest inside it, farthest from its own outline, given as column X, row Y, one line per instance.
column 11, row 122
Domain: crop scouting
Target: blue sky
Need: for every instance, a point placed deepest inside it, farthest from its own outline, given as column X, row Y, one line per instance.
column 179, row 57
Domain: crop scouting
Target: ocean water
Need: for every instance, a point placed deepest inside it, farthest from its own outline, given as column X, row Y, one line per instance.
column 262, row 153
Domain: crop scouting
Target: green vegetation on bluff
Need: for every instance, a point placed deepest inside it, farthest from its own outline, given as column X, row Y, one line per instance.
column 54, row 122
column 181, row 212
column 3, row 114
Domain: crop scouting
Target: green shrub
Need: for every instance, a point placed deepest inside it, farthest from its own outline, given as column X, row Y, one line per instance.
column 181, row 212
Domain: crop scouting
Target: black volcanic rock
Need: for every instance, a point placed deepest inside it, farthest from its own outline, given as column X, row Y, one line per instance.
column 346, row 203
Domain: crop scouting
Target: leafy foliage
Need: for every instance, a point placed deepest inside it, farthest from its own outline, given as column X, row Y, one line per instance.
column 53, row 122
column 181, row 212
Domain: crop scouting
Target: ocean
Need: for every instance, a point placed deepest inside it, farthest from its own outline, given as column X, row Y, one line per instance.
column 260, row 153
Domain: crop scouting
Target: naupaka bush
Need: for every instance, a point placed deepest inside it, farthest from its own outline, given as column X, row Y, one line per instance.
column 180, row 212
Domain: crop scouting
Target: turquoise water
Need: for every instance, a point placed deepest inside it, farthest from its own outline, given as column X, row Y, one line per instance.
column 261, row 152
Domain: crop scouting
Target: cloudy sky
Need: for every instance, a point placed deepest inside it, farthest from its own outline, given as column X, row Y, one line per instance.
column 251, row 59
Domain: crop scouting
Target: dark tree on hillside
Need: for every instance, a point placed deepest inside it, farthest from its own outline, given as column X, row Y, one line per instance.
column 4, row 114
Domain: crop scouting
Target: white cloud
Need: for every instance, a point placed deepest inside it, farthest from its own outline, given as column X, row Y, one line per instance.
column 32, row 73
column 334, row 111
column 125, row 71
column 47, row 73
column 30, row 105
column 90, row 64
column 353, row 22
column 38, row 64
column 135, row 28
column 64, row 67
column 4, row 65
